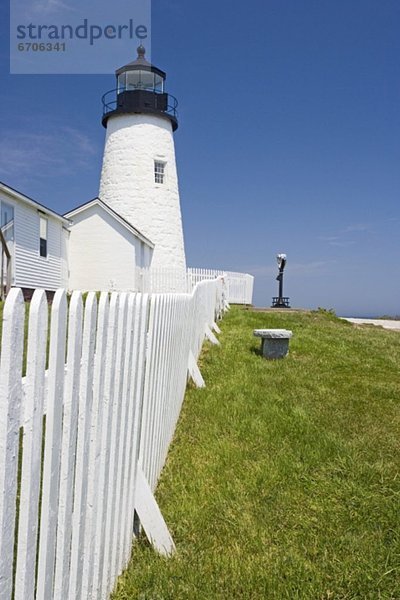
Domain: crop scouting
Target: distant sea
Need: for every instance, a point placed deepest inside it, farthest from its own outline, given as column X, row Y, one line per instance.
column 358, row 316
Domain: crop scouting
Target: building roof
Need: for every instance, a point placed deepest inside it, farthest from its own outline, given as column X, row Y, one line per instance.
column 20, row 196
column 113, row 213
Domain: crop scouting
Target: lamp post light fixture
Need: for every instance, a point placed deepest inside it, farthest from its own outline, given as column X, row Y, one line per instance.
column 280, row 301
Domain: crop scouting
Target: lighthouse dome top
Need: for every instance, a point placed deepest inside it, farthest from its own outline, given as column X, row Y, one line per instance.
column 141, row 64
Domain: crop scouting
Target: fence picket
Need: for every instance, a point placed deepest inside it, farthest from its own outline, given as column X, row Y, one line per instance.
column 79, row 517
column 141, row 329
column 51, row 463
column 32, row 448
column 10, row 408
column 113, row 467
column 153, row 398
column 159, row 383
column 146, row 409
column 95, row 450
column 166, row 380
column 105, row 450
column 126, row 418
column 68, row 452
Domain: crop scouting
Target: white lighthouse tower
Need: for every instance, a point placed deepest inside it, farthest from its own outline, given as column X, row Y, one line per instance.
column 139, row 178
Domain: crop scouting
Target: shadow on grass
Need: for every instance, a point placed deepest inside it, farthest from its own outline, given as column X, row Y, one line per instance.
column 256, row 351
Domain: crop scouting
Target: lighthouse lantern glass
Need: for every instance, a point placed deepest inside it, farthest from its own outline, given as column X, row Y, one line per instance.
column 140, row 80
column 158, row 83
column 121, row 82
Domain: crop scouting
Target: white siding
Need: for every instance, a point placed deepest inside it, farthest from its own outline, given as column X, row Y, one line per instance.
column 30, row 269
column 102, row 252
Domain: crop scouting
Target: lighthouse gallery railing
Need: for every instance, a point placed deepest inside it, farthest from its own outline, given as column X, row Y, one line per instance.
column 110, row 101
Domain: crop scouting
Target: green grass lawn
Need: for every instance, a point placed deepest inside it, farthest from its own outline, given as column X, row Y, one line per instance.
column 283, row 479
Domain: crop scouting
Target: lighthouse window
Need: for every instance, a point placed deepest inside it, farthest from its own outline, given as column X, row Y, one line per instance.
column 140, row 80
column 158, row 83
column 159, row 171
column 147, row 80
column 121, row 82
column 43, row 237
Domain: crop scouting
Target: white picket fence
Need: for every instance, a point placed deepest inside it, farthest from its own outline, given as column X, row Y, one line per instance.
column 239, row 286
column 102, row 396
column 162, row 281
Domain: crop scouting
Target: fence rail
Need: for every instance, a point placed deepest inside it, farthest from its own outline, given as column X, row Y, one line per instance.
column 238, row 286
column 80, row 408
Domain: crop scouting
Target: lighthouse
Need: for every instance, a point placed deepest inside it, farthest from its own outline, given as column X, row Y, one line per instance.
column 139, row 177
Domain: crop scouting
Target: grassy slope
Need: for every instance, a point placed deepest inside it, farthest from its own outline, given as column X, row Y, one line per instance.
column 283, row 479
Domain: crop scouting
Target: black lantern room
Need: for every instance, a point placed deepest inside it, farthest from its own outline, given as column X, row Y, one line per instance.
column 140, row 89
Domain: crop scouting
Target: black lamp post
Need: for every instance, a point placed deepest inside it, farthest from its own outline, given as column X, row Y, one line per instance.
column 280, row 301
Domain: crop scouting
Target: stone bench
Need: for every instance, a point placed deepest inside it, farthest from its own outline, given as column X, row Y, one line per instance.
column 274, row 342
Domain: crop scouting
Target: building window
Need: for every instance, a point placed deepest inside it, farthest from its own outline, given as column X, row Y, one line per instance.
column 43, row 237
column 7, row 221
column 159, row 171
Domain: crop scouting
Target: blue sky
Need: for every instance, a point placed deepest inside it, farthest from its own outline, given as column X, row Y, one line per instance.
column 289, row 141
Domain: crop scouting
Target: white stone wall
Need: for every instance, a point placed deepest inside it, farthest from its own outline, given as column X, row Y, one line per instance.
column 133, row 143
column 103, row 254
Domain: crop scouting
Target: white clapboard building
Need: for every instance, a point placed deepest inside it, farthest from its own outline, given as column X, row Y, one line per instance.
column 36, row 239
column 92, row 248
column 100, row 236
